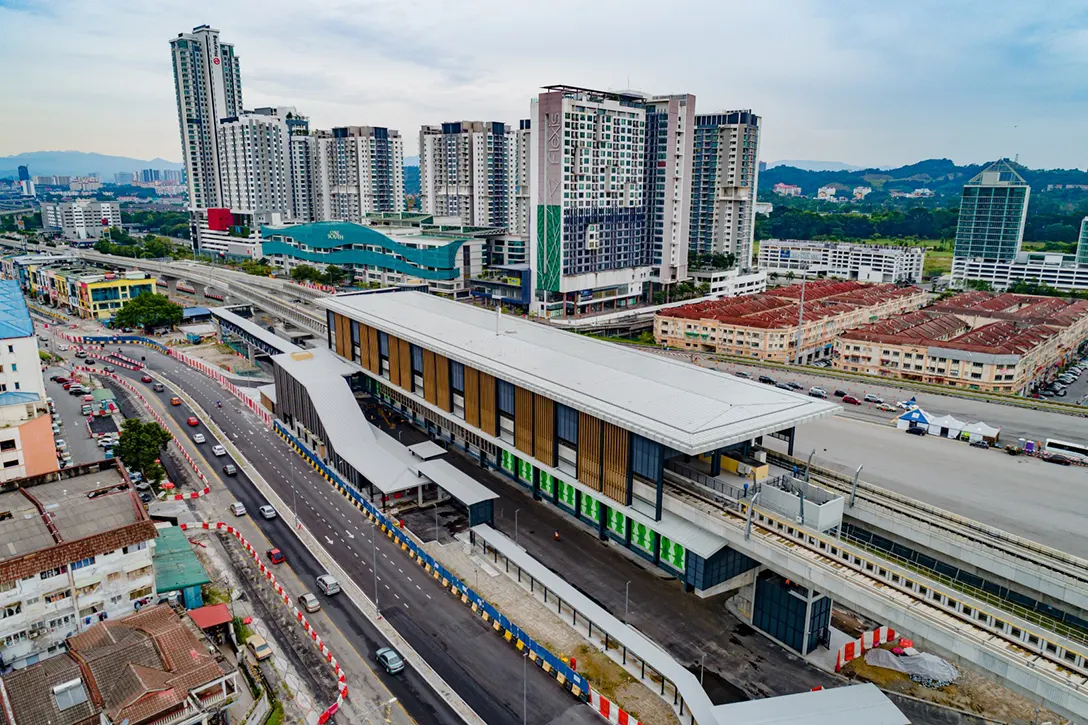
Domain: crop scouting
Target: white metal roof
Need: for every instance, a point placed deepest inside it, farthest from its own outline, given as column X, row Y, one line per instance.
column 427, row 450
column 689, row 408
column 852, row 704
column 456, row 483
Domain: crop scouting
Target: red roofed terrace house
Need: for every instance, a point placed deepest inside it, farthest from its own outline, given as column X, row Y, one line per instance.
column 984, row 341
column 764, row 326
column 153, row 667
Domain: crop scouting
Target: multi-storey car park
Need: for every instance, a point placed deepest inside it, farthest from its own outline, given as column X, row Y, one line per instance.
column 636, row 448
column 1004, row 343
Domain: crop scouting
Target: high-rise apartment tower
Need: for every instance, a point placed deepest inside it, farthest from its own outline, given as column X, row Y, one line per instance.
column 993, row 211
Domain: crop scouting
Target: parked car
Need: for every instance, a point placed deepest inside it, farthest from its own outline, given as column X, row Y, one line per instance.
column 146, row 497
column 794, row 386
column 275, row 556
column 784, row 386
column 817, row 392
column 198, row 438
column 81, row 353
column 267, row 511
column 175, row 400
column 839, row 393
column 230, row 470
column 327, row 584
column 158, row 387
column 886, row 408
column 917, row 430
column 86, row 410
column 259, row 647
column 742, row 374
column 192, row 421
column 1058, row 459
column 767, row 380
column 388, row 658
column 145, row 378
column 219, row 450
column 980, row 444
column 109, row 368
column 309, row 602
column 850, row 400
column 238, row 508
column 61, row 444
column 89, row 361
column 906, row 405
column 871, row 398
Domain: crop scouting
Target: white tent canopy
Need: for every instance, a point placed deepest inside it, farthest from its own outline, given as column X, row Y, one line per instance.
column 947, row 423
column 981, row 431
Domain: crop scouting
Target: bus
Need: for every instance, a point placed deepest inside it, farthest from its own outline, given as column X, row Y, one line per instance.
column 1065, row 448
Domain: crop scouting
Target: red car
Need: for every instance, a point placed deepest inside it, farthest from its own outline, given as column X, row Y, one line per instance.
column 851, row 400
column 145, row 378
column 275, row 556
column 193, row 421
column 67, row 385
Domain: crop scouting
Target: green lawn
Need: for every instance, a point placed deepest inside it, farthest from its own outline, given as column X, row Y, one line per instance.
column 937, row 263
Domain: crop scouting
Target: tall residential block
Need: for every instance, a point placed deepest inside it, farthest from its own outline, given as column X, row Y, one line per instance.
column 357, row 170
column 467, row 170
column 82, row 218
column 255, row 159
column 993, row 211
column 208, row 86
column 590, row 248
column 1082, row 243
column 523, row 178
column 725, row 174
column 670, row 127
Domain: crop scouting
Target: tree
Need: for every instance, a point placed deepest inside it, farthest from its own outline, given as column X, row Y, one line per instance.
column 148, row 310
column 140, row 445
column 335, row 275
column 306, row 273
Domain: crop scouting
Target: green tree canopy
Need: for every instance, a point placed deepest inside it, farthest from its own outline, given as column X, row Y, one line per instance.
column 306, row 273
column 148, row 310
column 141, row 445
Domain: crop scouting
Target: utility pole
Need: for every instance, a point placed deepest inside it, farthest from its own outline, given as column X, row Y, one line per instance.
column 374, row 549
column 516, row 525
column 626, row 599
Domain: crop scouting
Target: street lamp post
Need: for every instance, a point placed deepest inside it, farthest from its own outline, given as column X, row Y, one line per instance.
column 374, row 550
column 626, row 599
column 516, row 525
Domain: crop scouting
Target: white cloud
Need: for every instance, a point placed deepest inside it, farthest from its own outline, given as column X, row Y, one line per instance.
column 858, row 82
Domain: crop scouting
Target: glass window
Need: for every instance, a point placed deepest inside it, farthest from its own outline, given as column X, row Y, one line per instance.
column 566, row 424
column 417, row 359
column 645, row 457
column 383, row 344
column 506, row 397
column 457, row 376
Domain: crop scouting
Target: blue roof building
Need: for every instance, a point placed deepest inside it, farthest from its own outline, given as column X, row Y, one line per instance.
column 14, row 316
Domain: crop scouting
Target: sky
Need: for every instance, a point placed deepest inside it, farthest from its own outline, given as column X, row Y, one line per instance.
column 871, row 84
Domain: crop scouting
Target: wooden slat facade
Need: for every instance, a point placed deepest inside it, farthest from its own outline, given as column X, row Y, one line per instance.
column 489, row 419
column 342, row 340
column 375, row 365
column 442, row 383
column 544, row 429
column 405, row 363
column 472, row 396
column 614, row 484
column 364, row 346
column 430, row 385
column 523, row 420
column 589, row 451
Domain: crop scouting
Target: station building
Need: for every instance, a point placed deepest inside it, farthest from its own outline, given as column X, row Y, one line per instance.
column 591, row 428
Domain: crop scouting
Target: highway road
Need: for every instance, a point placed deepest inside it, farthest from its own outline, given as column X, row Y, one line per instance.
column 460, row 647
column 1025, row 496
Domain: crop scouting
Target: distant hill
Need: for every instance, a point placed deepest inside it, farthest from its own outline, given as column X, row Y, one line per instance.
column 411, row 179
column 77, row 163
column 815, row 165
column 942, row 176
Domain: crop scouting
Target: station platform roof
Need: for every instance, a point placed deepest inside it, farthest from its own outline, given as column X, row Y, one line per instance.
column 254, row 330
column 685, row 407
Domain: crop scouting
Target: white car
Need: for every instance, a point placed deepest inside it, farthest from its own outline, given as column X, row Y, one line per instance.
column 61, row 444
column 268, row 512
column 238, row 508
column 198, row 438
column 219, row 450
column 905, row 405
column 327, row 584
column 62, row 348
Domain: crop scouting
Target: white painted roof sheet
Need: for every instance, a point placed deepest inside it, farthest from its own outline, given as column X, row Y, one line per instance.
column 666, row 399
column 852, row 704
column 254, row 329
column 456, row 483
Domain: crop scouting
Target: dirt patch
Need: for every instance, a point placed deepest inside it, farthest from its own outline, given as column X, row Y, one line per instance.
column 971, row 693
column 223, row 356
